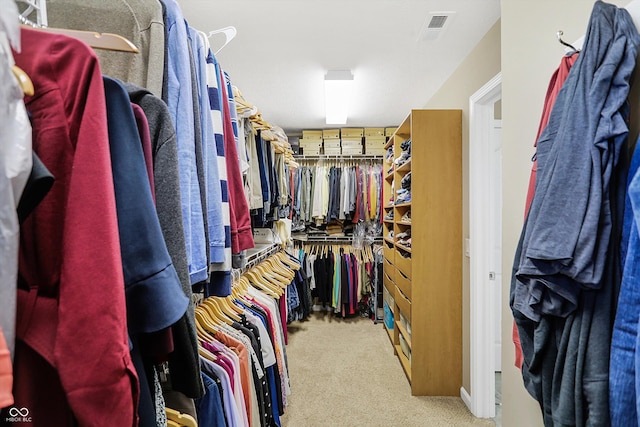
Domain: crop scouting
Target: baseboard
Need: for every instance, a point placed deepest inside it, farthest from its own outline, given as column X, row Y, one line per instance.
column 466, row 398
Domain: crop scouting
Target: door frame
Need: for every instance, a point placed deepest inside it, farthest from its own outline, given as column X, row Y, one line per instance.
column 481, row 398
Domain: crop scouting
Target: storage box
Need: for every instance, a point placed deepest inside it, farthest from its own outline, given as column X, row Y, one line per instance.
column 310, row 147
column 351, row 140
column 374, row 145
column 352, row 150
column 373, row 132
column 352, row 132
column 352, row 144
column 375, row 151
column 332, row 144
column 389, row 131
column 332, row 151
column 312, row 134
column 331, row 134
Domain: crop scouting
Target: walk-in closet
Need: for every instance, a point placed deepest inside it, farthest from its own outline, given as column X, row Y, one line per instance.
column 278, row 213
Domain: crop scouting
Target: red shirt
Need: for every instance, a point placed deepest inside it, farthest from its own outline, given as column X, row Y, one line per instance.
column 70, row 251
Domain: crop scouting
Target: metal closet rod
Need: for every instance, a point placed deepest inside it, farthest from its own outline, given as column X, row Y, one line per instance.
column 338, row 157
column 323, row 239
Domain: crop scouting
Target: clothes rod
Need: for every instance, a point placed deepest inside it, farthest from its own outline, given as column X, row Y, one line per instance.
column 324, row 239
column 338, row 157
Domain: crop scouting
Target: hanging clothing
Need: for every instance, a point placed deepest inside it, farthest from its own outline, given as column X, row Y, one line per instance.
column 15, row 166
column 179, row 99
column 139, row 21
column 60, row 299
column 214, row 218
column 557, row 80
column 241, row 235
column 566, row 271
column 220, row 281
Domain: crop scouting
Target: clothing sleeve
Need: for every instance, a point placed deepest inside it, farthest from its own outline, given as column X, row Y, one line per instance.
column 91, row 352
column 241, row 235
column 153, row 293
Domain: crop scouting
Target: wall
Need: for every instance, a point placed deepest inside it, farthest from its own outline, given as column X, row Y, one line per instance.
column 480, row 66
column 530, row 54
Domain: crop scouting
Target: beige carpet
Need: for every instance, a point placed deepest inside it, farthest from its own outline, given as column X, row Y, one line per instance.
column 344, row 373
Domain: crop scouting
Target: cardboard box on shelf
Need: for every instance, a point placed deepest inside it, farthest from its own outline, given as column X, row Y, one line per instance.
column 352, row 145
column 351, row 150
column 310, row 147
column 332, row 151
column 373, row 132
column 309, row 151
column 312, row 134
column 331, row 144
column 351, row 140
column 331, row 134
column 352, row 132
column 374, row 145
column 375, row 151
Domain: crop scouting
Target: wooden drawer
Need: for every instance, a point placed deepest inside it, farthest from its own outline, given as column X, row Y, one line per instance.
column 389, row 269
column 404, row 283
column 388, row 283
column 389, row 253
column 404, row 305
column 403, row 264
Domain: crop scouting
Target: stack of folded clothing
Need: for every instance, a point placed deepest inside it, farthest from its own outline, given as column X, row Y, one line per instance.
column 406, row 182
column 403, row 196
column 404, row 238
column 335, row 229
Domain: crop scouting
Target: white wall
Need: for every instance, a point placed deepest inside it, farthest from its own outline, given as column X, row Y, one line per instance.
column 480, row 66
column 530, row 54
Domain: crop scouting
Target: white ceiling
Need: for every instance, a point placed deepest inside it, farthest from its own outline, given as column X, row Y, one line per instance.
column 284, row 47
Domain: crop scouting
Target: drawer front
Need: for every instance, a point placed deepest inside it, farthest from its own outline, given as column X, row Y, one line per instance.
column 403, row 282
column 389, row 253
column 404, row 305
column 388, row 283
column 403, row 264
column 389, row 269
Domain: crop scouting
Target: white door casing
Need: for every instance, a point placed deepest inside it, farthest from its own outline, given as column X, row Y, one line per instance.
column 481, row 398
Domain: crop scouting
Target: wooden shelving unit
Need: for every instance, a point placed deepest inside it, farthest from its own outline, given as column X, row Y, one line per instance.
column 425, row 280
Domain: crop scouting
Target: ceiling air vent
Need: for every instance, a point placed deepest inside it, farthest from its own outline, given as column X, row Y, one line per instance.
column 434, row 24
column 437, row 21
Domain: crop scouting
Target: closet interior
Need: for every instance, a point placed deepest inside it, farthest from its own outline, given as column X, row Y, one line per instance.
column 161, row 221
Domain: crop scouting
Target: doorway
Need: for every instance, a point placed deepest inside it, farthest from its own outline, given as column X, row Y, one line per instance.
column 485, row 247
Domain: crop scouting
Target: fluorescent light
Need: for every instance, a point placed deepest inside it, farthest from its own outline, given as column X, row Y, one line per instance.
column 337, row 96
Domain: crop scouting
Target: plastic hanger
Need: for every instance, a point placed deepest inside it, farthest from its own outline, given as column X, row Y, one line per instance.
column 105, row 41
column 24, row 81
column 229, row 34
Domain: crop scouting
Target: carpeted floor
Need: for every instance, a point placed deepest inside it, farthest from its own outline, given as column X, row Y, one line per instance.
column 344, row 373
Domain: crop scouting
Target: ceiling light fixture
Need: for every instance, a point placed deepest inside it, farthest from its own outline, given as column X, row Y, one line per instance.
column 337, row 96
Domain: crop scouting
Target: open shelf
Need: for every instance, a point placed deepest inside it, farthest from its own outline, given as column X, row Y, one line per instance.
column 404, row 361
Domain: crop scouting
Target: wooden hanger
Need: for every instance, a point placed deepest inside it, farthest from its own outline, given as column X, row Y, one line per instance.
column 258, row 283
column 105, row 41
column 226, row 306
column 269, row 281
column 24, row 81
column 183, row 420
column 203, row 325
column 212, row 307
